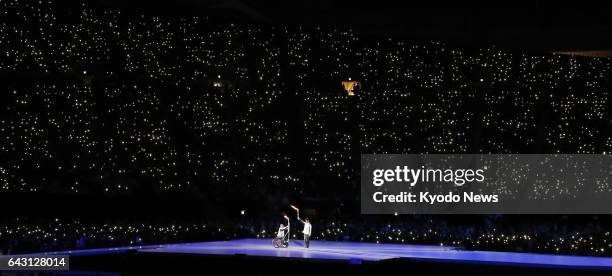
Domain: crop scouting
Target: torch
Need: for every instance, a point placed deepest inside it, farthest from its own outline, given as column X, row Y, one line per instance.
column 288, row 228
column 297, row 210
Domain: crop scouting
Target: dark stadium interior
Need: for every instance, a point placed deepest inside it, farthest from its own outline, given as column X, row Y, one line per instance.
column 138, row 122
column 538, row 26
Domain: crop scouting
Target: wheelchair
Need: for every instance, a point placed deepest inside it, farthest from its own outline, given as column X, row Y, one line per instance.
column 281, row 242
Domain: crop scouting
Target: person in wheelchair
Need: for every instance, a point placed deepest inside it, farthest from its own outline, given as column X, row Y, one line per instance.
column 282, row 236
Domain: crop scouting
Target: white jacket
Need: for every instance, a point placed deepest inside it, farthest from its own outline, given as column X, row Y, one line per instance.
column 307, row 228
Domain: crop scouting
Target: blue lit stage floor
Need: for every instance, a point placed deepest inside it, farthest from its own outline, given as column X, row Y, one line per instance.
column 327, row 250
column 356, row 252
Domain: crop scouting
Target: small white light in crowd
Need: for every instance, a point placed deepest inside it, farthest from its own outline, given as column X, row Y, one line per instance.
column 395, row 214
column 242, row 212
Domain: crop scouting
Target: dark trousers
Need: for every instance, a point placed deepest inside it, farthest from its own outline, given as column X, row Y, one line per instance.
column 306, row 240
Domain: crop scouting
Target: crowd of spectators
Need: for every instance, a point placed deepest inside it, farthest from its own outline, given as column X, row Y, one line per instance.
column 101, row 101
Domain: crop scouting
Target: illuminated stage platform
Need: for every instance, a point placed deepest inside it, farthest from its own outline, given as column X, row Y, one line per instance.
column 357, row 251
column 246, row 254
column 322, row 250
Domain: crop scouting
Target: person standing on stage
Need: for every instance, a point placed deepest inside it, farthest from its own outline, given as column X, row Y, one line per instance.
column 307, row 231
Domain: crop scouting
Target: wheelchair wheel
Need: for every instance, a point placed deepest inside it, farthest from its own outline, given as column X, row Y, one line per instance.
column 277, row 242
